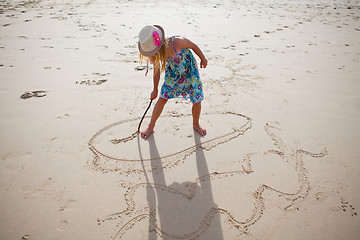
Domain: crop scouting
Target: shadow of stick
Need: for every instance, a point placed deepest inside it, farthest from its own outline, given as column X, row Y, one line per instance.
column 150, row 197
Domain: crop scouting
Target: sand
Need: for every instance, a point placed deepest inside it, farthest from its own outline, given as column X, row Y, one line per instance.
column 282, row 110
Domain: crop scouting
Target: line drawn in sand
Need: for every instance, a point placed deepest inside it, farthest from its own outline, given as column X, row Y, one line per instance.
column 134, row 214
column 103, row 146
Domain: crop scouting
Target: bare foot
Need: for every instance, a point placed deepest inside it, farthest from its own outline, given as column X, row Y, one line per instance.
column 146, row 133
column 200, row 130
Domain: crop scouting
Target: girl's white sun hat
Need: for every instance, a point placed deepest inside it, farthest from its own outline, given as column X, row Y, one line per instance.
column 151, row 38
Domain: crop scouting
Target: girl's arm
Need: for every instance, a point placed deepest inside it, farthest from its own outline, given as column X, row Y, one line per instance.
column 156, row 79
column 186, row 43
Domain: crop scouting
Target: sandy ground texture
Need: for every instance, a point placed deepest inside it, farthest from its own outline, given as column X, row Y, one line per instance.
column 282, row 110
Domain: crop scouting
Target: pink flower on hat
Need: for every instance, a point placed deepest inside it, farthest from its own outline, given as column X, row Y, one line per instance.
column 156, row 37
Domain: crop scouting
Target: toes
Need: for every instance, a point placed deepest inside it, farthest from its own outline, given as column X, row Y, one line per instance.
column 145, row 134
column 201, row 131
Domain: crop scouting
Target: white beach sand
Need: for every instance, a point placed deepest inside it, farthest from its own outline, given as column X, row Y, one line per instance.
column 282, row 110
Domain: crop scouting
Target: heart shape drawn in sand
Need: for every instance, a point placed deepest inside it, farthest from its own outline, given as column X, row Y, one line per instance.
column 122, row 156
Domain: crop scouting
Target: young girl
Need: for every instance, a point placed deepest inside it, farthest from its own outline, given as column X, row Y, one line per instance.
column 182, row 79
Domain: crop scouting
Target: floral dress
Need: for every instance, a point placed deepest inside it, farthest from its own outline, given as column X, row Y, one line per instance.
column 182, row 77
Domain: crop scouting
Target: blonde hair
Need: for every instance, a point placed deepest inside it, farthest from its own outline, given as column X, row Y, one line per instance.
column 159, row 59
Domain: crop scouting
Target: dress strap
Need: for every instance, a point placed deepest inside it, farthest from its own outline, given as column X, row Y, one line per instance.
column 172, row 44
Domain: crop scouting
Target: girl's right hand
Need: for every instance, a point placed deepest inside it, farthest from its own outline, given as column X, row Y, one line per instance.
column 153, row 94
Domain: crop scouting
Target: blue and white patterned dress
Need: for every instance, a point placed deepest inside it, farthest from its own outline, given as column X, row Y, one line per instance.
column 182, row 77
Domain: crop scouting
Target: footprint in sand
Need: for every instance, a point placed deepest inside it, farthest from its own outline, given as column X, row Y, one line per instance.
column 63, row 224
column 14, row 155
column 97, row 79
column 31, row 94
column 15, row 161
column 45, row 189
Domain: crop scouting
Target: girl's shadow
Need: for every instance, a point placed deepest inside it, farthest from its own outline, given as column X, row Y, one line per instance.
column 173, row 214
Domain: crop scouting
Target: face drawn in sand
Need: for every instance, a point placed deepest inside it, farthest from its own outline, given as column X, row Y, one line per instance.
column 228, row 75
column 115, row 147
column 136, row 211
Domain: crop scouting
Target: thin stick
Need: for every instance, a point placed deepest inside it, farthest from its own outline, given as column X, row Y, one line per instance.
column 132, row 136
column 144, row 116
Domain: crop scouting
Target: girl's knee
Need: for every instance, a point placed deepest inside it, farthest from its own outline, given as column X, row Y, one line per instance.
column 197, row 104
column 162, row 101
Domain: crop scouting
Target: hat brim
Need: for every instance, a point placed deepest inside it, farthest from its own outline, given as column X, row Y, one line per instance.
column 155, row 50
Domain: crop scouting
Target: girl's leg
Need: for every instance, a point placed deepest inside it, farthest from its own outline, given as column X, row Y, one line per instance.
column 196, row 110
column 159, row 106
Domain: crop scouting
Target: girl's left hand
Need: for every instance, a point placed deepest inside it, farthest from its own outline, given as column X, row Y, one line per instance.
column 203, row 63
